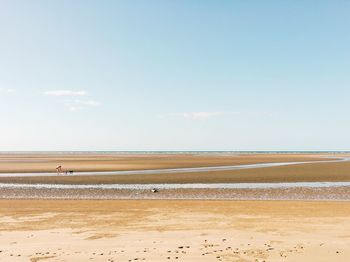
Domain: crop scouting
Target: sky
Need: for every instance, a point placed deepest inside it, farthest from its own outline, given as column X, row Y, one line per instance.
column 174, row 75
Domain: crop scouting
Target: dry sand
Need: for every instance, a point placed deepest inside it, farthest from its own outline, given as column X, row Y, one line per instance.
column 174, row 231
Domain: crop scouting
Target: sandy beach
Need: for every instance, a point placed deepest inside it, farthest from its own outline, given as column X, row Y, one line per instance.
column 174, row 231
column 61, row 218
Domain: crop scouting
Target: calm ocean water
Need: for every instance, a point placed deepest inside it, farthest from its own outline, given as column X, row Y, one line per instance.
column 174, row 152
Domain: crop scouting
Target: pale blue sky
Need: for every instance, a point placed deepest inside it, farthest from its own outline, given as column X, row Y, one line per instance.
column 174, row 75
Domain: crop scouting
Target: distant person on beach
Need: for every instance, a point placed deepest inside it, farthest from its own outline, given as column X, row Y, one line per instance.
column 59, row 170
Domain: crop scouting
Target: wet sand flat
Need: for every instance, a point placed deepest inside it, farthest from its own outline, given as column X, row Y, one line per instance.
column 35, row 230
column 312, row 172
column 15, row 163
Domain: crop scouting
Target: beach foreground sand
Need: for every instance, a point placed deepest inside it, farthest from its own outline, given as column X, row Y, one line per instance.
column 38, row 230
